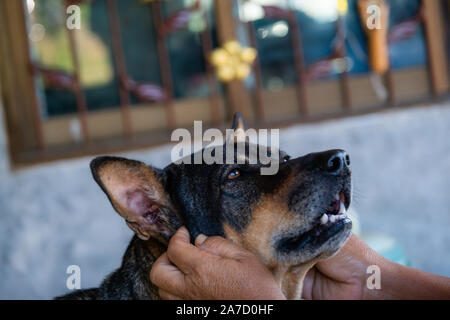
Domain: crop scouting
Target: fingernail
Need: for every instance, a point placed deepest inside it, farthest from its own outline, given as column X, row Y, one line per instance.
column 183, row 228
column 200, row 239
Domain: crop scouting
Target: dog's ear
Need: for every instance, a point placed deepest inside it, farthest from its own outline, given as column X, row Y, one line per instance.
column 137, row 193
column 239, row 128
column 239, row 122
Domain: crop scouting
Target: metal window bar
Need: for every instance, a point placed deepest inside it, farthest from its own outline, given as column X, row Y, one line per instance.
column 273, row 12
column 257, row 92
column 78, row 88
column 165, row 27
column 143, row 91
column 207, row 46
column 299, row 61
column 126, row 86
column 119, row 63
column 165, row 69
column 72, row 83
column 61, row 80
column 344, row 76
column 399, row 32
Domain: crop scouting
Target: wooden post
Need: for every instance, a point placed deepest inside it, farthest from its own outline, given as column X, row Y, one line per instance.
column 437, row 55
column 18, row 89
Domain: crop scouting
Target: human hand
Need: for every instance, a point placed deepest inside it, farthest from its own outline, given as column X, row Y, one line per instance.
column 344, row 275
column 214, row 268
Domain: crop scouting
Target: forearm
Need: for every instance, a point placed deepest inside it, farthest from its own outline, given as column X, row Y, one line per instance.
column 350, row 266
column 400, row 282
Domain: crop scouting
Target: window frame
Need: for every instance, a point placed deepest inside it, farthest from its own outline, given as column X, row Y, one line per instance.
column 21, row 110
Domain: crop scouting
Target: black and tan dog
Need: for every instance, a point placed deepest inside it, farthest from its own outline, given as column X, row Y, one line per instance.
column 290, row 220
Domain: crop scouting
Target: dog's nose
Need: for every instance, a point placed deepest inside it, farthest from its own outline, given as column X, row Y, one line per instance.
column 334, row 161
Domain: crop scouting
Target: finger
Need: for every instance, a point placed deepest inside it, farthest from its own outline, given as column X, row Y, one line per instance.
column 183, row 254
column 221, row 247
column 349, row 261
column 166, row 276
column 308, row 283
column 164, row 295
column 182, row 235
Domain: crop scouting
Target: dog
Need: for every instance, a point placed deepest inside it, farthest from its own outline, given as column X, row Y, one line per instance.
column 290, row 220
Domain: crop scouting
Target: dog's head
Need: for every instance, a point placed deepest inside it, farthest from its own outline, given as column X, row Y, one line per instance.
column 289, row 218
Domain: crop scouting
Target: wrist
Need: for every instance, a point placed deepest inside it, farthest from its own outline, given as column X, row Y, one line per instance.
column 388, row 273
column 402, row 282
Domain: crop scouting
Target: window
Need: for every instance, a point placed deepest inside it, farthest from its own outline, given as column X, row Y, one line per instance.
column 333, row 57
column 137, row 69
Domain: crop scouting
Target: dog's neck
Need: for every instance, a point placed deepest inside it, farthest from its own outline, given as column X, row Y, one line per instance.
column 290, row 279
column 155, row 247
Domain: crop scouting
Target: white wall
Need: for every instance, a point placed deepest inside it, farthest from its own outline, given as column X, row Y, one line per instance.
column 54, row 215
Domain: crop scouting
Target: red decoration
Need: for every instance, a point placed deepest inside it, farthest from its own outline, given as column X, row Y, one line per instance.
column 55, row 79
column 144, row 91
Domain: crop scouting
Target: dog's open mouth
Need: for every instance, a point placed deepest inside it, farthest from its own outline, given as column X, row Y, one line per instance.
column 336, row 211
column 330, row 223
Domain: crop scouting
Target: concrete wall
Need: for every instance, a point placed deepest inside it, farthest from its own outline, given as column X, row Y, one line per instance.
column 54, row 215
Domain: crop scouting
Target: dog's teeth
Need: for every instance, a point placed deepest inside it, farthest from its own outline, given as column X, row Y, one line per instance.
column 342, row 209
column 333, row 219
column 337, row 197
column 324, row 219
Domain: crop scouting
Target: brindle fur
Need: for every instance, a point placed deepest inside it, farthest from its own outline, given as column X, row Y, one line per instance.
column 255, row 211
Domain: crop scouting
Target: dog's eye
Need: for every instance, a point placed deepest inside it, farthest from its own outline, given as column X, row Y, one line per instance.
column 285, row 159
column 234, row 174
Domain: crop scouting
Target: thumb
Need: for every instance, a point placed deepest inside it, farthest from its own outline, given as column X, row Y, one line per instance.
column 221, row 247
